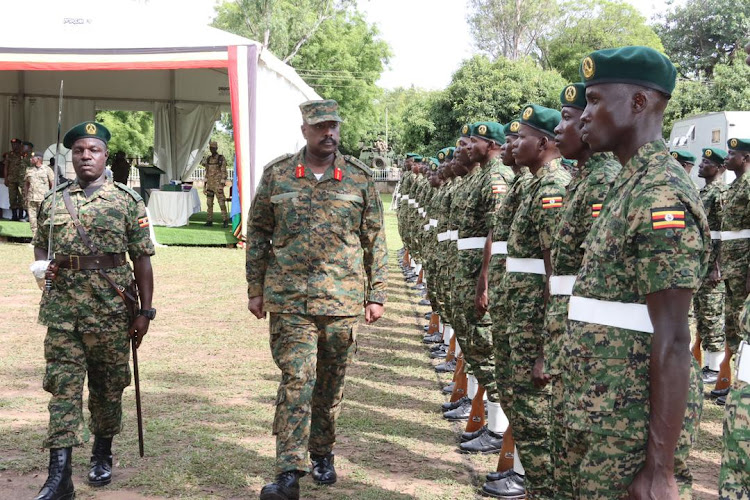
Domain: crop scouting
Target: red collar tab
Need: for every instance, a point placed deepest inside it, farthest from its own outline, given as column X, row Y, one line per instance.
column 338, row 174
column 299, row 171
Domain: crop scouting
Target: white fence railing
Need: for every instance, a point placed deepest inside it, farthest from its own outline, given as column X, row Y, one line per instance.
column 198, row 175
column 390, row 174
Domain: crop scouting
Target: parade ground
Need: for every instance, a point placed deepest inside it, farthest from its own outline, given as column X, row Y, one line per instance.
column 208, row 386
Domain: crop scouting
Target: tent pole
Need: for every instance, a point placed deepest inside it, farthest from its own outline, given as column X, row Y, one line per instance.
column 172, row 126
column 20, row 100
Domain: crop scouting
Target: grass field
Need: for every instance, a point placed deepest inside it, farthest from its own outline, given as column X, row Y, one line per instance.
column 208, row 387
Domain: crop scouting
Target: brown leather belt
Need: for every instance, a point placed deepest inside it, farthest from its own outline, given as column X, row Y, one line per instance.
column 85, row 262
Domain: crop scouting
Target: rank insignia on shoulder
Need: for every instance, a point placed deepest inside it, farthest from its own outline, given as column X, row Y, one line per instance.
column 299, row 172
column 668, row 218
column 552, row 202
column 143, row 222
column 499, row 189
column 595, row 209
column 338, row 174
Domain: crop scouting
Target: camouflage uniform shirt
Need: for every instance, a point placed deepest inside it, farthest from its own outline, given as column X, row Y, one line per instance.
column 39, row 179
column 735, row 254
column 316, row 247
column 216, row 172
column 712, row 195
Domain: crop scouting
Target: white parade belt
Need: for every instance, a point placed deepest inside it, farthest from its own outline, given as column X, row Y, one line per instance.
column 499, row 248
column 471, row 243
column 426, row 227
column 561, row 285
column 715, row 235
column 743, row 362
column 528, row 266
column 444, row 236
column 617, row 314
column 735, row 235
column 404, row 198
column 412, row 202
column 454, row 234
column 434, row 222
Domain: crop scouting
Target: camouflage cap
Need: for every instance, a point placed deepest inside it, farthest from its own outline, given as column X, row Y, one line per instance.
column 540, row 118
column 738, row 144
column 682, row 155
column 716, row 155
column 574, row 96
column 86, row 129
column 326, row 110
column 512, row 127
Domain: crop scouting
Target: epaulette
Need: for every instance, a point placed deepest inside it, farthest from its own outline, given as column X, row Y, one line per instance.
column 277, row 160
column 59, row 187
column 128, row 190
column 358, row 163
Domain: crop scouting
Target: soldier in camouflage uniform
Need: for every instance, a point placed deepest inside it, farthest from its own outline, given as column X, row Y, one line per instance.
column 13, row 174
column 316, row 254
column 685, row 158
column 734, row 256
column 633, row 400
column 708, row 302
column 529, row 243
column 38, row 180
column 88, row 325
column 584, row 197
column 214, row 183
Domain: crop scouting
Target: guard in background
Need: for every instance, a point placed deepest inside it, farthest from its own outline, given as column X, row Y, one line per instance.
column 38, row 181
column 214, row 183
column 88, row 324
column 13, row 174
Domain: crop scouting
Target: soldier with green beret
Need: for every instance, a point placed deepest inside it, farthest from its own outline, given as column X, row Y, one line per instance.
column 734, row 256
column 13, row 172
column 686, row 159
column 527, row 265
column 316, row 253
column 633, row 391
column 708, row 301
column 88, row 323
column 215, row 181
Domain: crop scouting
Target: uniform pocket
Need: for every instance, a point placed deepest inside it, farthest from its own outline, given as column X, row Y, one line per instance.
column 345, row 211
column 287, row 210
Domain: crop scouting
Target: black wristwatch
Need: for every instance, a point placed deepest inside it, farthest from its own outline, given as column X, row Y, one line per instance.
column 149, row 313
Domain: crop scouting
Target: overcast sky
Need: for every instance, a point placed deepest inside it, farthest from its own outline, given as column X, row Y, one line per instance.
column 425, row 63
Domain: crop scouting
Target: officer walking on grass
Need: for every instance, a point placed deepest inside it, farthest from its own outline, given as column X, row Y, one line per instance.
column 316, row 254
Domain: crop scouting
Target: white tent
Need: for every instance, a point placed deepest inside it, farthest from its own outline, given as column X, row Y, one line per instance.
column 185, row 75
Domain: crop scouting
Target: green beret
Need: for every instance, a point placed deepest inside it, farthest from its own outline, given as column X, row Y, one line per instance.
column 417, row 158
column 739, row 144
column 512, row 127
column 319, row 111
column 466, row 130
column 714, row 154
column 433, row 163
column 541, row 118
column 86, row 129
column 682, row 155
column 411, row 155
column 451, row 150
column 445, row 154
column 574, row 95
column 633, row 64
column 491, row 131
column 29, row 144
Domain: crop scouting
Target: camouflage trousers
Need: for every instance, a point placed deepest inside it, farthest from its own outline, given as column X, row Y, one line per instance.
column 312, row 353
column 15, row 195
column 500, row 342
column 602, row 466
column 221, row 201
column 104, row 354
column 32, row 207
column 735, row 300
column 530, row 407
column 478, row 352
column 708, row 306
column 734, row 478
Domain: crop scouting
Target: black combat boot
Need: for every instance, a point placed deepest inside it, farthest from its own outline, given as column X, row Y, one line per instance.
column 15, row 215
column 209, row 223
column 225, row 224
column 322, row 469
column 284, row 487
column 59, row 483
column 100, row 466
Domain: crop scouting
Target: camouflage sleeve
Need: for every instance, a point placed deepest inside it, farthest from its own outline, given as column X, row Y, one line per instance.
column 494, row 193
column 223, row 168
column 41, row 237
column 670, row 242
column 260, row 225
column 548, row 210
column 136, row 228
column 375, row 252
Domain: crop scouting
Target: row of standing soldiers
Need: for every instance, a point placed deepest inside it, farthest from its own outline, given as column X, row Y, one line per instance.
column 15, row 163
column 565, row 292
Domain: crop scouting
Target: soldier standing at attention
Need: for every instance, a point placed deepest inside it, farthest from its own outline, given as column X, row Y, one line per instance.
column 214, row 182
column 686, row 159
column 88, row 325
column 13, row 173
column 708, row 302
column 633, row 400
column 316, row 254
column 38, row 181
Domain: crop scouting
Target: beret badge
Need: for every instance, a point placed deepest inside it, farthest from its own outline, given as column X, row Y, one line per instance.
column 588, row 67
column 527, row 113
column 465, row 129
column 733, row 143
column 482, row 129
column 90, row 128
column 570, row 93
column 708, row 153
column 515, row 126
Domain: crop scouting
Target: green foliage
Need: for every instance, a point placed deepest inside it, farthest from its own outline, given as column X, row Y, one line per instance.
column 732, row 84
column 700, row 34
column 132, row 131
column 689, row 98
column 588, row 25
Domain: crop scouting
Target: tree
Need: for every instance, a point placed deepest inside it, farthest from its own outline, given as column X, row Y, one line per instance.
column 282, row 26
column 688, row 98
column 703, row 33
column 588, row 25
column 731, row 88
column 509, row 28
column 132, row 131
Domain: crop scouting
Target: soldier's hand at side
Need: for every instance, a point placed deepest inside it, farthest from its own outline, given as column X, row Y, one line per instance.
column 714, row 276
column 255, row 306
column 51, row 272
column 538, row 377
column 373, row 312
column 481, row 301
column 138, row 329
column 651, row 483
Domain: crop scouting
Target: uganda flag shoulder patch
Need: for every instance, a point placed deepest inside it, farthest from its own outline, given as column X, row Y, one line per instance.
column 143, row 222
column 499, row 189
column 668, row 218
column 595, row 209
column 552, row 202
